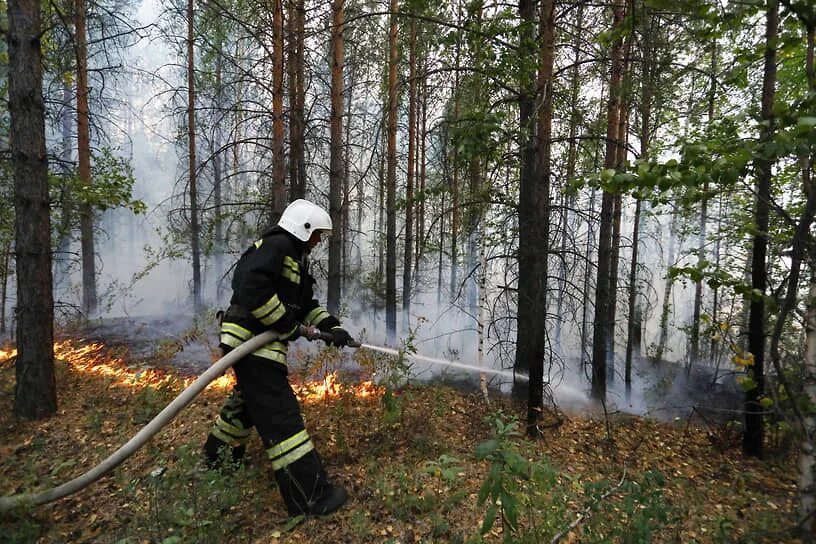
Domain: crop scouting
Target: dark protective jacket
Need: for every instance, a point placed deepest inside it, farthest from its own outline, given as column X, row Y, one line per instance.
column 272, row 290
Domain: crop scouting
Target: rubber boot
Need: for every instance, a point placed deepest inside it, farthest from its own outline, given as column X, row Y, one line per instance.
column 306, row 490
column 219, row 455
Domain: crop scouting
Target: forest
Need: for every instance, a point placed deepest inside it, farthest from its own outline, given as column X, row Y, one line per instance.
column 610, row 202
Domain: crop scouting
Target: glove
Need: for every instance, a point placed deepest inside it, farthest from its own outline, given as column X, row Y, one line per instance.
column 291, row 336
column 340, row 337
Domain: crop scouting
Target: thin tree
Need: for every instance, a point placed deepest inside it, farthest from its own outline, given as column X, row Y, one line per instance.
column 89, row 299
column 297, row 163
column 391, row 181
column 753, row 434
column 409, row 178
column 35, row 394
column 278, row 193
column 602, row 337
column 195, row 233
column 336, row 168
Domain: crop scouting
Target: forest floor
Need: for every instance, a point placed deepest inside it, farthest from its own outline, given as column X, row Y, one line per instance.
column 421, row 462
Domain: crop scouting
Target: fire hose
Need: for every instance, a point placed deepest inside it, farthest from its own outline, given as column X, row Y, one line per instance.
column 155, row 425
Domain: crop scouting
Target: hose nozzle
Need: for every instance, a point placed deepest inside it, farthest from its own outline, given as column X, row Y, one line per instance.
column 313, row 333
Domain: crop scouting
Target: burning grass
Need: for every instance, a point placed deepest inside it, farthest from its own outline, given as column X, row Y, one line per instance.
column 410, row 457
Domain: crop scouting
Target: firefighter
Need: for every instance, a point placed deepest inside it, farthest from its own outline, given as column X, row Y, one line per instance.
column 273, row 291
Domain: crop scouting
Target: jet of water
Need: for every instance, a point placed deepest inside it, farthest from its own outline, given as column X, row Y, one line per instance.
column 445, row 362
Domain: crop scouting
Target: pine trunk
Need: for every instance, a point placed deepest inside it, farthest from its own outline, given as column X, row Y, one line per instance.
column 534, row 230
column 89, row 300
column 604, row 311
column 391, row 182
column 278, row 192
column 297, row 163
column 195, row 233
column 35, row 394
column 753, row 435
column 409, row 179
column 336, row 169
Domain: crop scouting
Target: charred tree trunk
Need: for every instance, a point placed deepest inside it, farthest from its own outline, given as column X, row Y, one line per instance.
column 35, row 394
column 336, row 169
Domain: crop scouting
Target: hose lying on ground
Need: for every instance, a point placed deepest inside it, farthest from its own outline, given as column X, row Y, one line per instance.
column 139, row 439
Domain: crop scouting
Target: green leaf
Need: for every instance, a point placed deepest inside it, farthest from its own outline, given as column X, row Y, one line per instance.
column 485, row 449
column 489, row 519
column 806, row 122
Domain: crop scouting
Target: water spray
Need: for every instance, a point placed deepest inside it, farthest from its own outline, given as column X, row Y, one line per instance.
column 314, row 334
column 445, row 362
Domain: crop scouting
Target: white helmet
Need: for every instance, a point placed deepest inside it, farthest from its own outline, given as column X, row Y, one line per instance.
column 301, row 218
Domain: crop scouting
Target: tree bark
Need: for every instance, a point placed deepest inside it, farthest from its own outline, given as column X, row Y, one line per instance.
column 5, row 272
column 529, row 315
column 753, row 435
column 35, row 394
column 409, row 179
column 278, row 193
column 89, row 300
column 336, row 169
column 195, row 233
column 807, row 455
column 391, row 181
column 602, row 337
column 297, row 164
column 568, row 200
column 534, row 231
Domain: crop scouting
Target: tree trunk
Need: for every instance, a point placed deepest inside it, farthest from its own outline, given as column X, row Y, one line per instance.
column 297, row 162
column 422, row 176
column 391, row 182
column 753, row 435
column 807, row 453
column 604, row 319
column 219, row 242
column 409, row 178
column 192, row 166
column 62, row 260
column 5, row 272
column 278, row 193
column 534, row 230
column 35, row 394
column 665, row 311
column 568, row 200
column 89, row 300
column 634, row 329
column 336, row 169
column 530, row 317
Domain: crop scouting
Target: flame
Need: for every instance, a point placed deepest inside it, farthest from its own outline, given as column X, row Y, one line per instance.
column 331, row 388
column 95, row 358
column 6, row 354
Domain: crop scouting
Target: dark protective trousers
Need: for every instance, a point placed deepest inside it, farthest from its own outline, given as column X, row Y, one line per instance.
column 264, row 399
